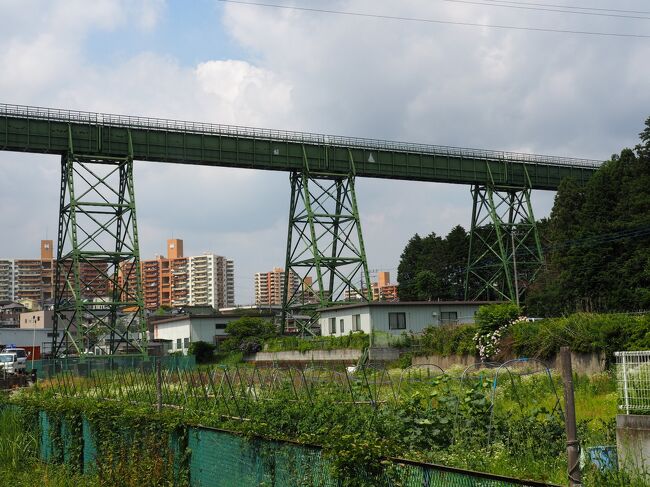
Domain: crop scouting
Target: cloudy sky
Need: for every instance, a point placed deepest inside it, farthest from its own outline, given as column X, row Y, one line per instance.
column 553, row 93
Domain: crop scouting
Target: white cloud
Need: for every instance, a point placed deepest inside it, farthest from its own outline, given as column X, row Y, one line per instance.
column 147, row 12
column 243, row 93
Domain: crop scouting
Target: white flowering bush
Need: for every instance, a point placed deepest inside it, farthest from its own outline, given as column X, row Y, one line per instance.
column 494, row 320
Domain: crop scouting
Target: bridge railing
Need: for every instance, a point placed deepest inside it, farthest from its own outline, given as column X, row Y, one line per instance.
column 148, row 123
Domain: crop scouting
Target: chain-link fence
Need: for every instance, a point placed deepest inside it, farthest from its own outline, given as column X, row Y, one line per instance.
column 633, row 381
column 221, row 458
column 87, row 365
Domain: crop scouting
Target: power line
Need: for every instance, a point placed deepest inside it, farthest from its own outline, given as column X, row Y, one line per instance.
column 547, row 9
column 537, row 4
column 436, row 21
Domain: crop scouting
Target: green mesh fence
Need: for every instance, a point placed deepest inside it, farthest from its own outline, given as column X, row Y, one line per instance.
column 67, row 442
column 89, row 447
column 223, row 459
column 84, row 367
column 45, row 437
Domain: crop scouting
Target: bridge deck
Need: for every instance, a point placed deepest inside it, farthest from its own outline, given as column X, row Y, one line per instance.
column 43, row 130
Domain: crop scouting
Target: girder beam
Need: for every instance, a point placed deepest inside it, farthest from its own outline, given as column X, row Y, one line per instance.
column 43, row 130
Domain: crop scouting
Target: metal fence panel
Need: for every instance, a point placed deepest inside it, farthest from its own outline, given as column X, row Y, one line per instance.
column 633, row 381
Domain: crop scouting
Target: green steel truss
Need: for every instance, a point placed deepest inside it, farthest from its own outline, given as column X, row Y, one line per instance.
column 45, row 130
column 505, row 252
column 325, row 249
column 98, row 286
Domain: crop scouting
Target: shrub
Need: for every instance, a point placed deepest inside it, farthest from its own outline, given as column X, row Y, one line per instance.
column 449, row 339
column 494, row 316
column 203, row 351
column 582, row 332
column 355, row 340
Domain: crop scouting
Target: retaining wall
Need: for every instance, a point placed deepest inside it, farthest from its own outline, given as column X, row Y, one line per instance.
column 582, row 363
column 633, row 442
column 342, row 356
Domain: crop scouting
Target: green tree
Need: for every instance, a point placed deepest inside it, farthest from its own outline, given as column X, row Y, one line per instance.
column 433, row 268
column 456, row 253
column 643, row 149
column 599, row 252
column 409, row 267
column 428, row 285
column 247, row 334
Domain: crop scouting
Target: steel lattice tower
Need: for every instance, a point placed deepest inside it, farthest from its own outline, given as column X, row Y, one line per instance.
column 98, row 286
column 505, row 251
column 325, row 246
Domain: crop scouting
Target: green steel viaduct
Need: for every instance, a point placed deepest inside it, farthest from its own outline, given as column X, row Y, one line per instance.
column 98, row 237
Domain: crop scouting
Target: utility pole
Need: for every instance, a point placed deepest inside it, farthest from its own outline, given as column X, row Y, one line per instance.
column 572, row 443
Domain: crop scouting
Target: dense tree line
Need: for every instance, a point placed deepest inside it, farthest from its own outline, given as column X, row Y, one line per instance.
column 596, row 246
column 599, row 253
column 433, row 267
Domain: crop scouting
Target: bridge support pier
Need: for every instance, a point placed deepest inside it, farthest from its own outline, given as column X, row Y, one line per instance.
column 325, row 248
column 98, row 284
column 505, row 251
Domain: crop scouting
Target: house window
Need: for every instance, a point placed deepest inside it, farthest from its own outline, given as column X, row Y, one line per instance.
column 220, row 326
column 178, row 344
column 449, row 317
column 342, row 326
column 332, row 326
column 356, row 322
column 186, row 342
column 396, row 321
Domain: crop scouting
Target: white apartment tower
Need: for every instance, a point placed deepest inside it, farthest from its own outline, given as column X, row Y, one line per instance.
column 211, row 281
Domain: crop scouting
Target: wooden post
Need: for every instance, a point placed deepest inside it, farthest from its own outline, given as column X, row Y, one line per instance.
column 572, row 443
column 159, row 383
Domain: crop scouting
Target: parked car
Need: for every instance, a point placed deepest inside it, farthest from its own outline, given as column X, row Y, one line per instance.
column 10, row 363
column 21, row 353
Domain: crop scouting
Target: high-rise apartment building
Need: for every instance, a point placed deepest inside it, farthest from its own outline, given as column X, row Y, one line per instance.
column 166, row 281
column 212, row 281
column 383, row 290
column 34, row 278
column 176, row 280
column 6, row 279
column 269, row 286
